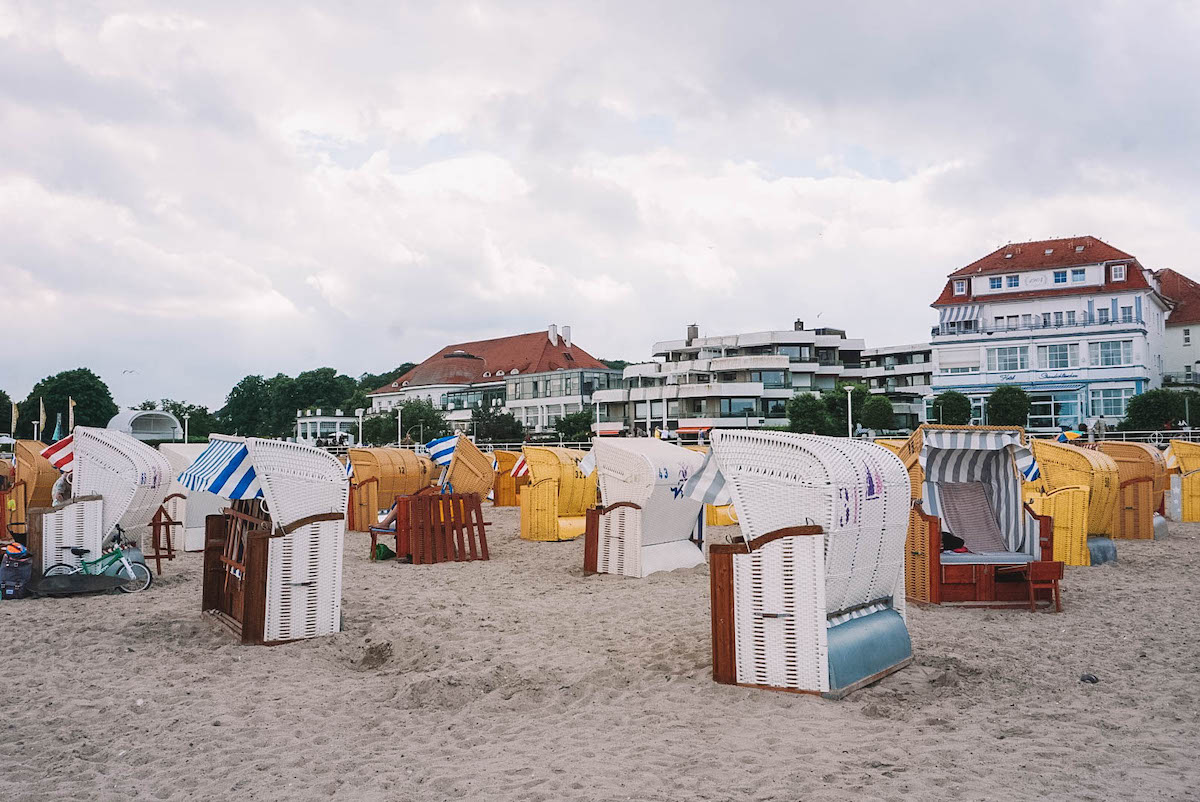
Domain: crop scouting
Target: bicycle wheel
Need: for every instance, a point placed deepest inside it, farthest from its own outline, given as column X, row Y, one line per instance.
column 139, row 581
column 59, row 569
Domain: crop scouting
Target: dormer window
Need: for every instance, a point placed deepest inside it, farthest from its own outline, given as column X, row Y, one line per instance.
column 1008, row 256
column 1012, row 281
column 405, row 384
column 1118, row 272
column 513, row 372
column 1049, row 251
column 499, row 373
column 487, row 374
column 960, row 288
column 1078, row 249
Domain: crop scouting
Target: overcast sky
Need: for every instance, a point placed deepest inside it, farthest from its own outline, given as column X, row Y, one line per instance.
column 193, row 192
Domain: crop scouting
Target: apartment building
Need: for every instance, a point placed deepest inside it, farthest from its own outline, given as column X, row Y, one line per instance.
column 1076, row 322
column 901, row 373
column 736, row 380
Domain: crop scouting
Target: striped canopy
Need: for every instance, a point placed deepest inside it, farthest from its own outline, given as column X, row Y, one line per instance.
column 953, row 314
column 442, row 449
column 223, row 469
column 996, row 458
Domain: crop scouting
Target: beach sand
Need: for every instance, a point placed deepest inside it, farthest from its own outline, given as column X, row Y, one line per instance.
column 520, row 679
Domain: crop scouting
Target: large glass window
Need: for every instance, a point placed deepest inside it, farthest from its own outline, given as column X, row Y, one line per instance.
column 1053, row 410
column 775, row 407
column 1111, row 403
column 1011, row 358
column 734, row 407
column 772, row 378
column 1108, row 354
column 1058, row 357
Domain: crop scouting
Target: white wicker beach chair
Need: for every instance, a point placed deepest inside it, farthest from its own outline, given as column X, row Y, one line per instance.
column 131, row 477
column 647, row 521
column 76, row 523
column 195, row 506
column 813, row 599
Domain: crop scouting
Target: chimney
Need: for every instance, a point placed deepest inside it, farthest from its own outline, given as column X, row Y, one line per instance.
column 799, row 325
column 567, row 336
column 552, row 333
column 693, row 333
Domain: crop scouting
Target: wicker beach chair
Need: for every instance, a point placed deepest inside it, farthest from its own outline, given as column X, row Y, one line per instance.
column 1142, row 472
column 470, row 470
column 189, row 508
column 556, row 500
column 508, row 487
column 131, row 477
column 33, row 479
column 1187, row 458
column 381, row 474
column 1021, row 574
column 273, row 560
column 1064, row 465
column 647, row 522
column 812, row 599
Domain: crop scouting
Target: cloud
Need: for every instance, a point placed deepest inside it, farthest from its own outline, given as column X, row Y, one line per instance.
column 206, row 191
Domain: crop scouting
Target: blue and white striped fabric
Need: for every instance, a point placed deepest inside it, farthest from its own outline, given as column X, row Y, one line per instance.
column 349, row 469
column 707, row 485
column 442, row 449
column 491, row 496
column 223, row 469
column 1026, row 464
column 954, row 314
column 588, row 463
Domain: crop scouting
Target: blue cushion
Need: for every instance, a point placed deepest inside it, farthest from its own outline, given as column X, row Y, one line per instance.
column 862, row 647
column 987, row 558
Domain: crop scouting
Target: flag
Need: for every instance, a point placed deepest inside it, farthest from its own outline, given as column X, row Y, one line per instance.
column 442, row 449
column 62, row 454
column 70, row 414
column 520, row 468
column 41, row 415
column 349, row 469
column 707, row 485
column 491, row 496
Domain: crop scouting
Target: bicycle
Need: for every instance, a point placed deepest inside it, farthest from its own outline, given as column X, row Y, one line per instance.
column 137, row 574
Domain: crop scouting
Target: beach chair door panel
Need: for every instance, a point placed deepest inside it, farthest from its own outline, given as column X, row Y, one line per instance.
column 1137, row 514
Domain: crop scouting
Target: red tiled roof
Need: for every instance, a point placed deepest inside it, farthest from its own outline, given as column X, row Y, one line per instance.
column 465, row 363
column 1183, row 293
column 1025, row 256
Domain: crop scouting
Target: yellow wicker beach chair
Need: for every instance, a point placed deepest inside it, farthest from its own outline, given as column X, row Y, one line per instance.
column 507, row 487
column 1064, row 465
column 555, row 502
column 381, row 474
column 1068, row 509
column 470, row 470
column 1187, row 456
column 1143, row 474
column 33, row 483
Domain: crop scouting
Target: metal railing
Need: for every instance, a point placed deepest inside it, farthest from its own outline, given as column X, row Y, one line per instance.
column 943, row 331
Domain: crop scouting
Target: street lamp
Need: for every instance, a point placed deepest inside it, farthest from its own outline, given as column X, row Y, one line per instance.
column 359, row 413
column 186, row 417
column 849, row 410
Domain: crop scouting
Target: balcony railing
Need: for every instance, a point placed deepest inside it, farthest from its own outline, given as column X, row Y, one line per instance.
column 944, row 331
column 1181, row 378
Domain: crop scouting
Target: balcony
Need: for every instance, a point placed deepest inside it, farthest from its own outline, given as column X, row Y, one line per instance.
column 1176, row 379
column 941, row 332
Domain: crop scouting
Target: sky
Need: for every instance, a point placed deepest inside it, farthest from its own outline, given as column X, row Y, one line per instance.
column 194, row 192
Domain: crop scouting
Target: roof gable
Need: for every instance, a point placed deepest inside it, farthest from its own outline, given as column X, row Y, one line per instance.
column 1043, row 255
column 1183, row 293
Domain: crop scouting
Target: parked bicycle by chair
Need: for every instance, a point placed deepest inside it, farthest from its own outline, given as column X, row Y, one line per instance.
column 122, row 560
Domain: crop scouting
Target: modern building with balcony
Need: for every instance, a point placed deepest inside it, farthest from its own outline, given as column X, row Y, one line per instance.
column 901, row 373
column 1181, row 342
column 736, row 380
column 538, row 377
column 1076, row 322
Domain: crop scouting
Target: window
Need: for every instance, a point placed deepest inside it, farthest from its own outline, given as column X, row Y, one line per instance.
column 994, row 283
column 1118, row 272
column 1071, row 318
column 1011, row 358
column 999, row 321
column 1126, row 314
column 1102, row 315
column 1012, row 281
column 1058, row 318
column 1060, row 277
column 1113, row 352
column 775, row 407
column 772, row 378
column 1078, row 249
column 1049, row 251
column 738, row 407
column 962, row 369
column 1026, row 321
column 1012, row 321
column 1078, row 275
column 1053, row 410
column 960, row 288
column 1187, row 336
column 1058, row 357
column 1045, row 318
column 1111, row 403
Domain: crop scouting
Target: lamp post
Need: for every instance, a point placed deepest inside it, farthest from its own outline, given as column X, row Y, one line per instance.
column 186, row 417
column 849, row 411
column 400, row 425
column 359, row 414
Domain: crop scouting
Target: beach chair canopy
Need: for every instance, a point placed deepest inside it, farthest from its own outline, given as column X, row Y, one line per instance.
column 469, row 469
column 1065, row 465
column 132, row 477
column 996, row 459
column 398, row 471
column 559, row 467
column 35, row 470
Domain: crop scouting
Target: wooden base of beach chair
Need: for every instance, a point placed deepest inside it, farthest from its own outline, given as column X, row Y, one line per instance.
column 447, row 527
column 162, row 544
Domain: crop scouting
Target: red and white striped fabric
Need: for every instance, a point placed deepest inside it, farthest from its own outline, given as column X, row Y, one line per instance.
column 521, row 468
column 62, row 453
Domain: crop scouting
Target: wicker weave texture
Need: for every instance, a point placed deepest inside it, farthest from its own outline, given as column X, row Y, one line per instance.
column 36, row 471
column 558, row 494
column 73, row 525
column 304, row 567
column 1068, row 507
column 132, row 477
column 1064, row 465
column 507, row 487
column 470, row 469
column 398, row 471
column 1137, row 461
column 1187, row 455
column 651, row 474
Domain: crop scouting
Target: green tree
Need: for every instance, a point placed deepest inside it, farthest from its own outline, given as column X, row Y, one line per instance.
column 1191, row 407
column 201, row 422
column 807, row 414
column 490, row 424
column 281, row 405
column 5, row 411
column 1008, row 405
column 247, row 408
column 374, row 381
column 615, row 364
column 146, row 405
column 877, row 413
column 835, row 405
column 422, row 423
column 1153, row 410
column 951, row 408
column 575, row 427
column 94, row 404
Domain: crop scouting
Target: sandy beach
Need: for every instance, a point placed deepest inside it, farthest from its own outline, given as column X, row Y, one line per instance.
column 520, row 679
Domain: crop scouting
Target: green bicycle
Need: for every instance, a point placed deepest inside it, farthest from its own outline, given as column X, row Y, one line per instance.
column 115, row 563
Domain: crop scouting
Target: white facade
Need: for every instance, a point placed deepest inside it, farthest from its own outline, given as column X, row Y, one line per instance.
column 1094, row 340
column 903, row 374
column 314, row 428
column 1181, row 353
column 738, row 380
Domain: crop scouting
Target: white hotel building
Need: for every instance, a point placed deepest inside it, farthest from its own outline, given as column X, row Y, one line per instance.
column 1075, row 322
